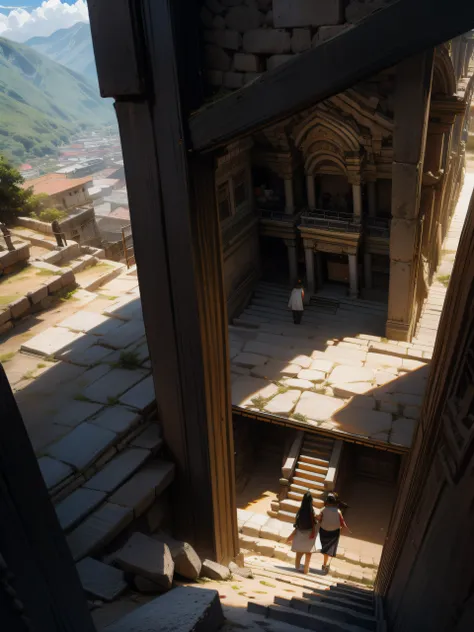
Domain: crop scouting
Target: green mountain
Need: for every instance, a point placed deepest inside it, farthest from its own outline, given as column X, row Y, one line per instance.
column 70, row 47
column 43, row 103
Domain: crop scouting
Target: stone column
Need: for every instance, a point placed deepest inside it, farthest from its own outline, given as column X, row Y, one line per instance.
column 372, row 197
column 368, row 270
column 289, row 196
column 319, row 269
column 292, row 260
column 311, row 192
column 357, row 199
column 309, row 259
column 411, row 109
column 353, row 280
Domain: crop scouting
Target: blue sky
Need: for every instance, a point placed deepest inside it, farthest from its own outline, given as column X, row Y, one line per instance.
column 20, row 20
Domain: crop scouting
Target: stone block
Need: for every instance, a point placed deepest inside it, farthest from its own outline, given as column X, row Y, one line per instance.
column 54, row 284
column 147, row 558
column 382, row 360
column 181, row 610
column 357, row 10
column 412, row 412
column 266, row 41
column 118, row 470
column 300, row 40
column 311, row 375
column 233, row 80
column 75, row 413
column 216, row 58
column 113, row 384
column 240, row 571
column 77, row 506
column 351, row 389
column 347, row 374
column 101, row 580
column 283, row 403
column 82, row 446
column 343, row 355
column 67, row 278
column 293, row 13
column 186, row 561
column 141, row 396
column 159, row 513
column 227, row 39
column 53, row 471
column 245, row 389
column 51, row 341
column 403, row 235
column 246, row 62
column 36, row 296
column 325, row 33
column 6, row 327
column 141, row 490
column 271, row 530
column 150, row 438
column 275, row 370
column 5, row 316
column 367, row 424
column 266, row 548
column 318, row 407
column 86, row 322
column 302, row 385
column 243, row 18
column 277, row 60
column 19, row 307
column 123, row 336
column 403, row 430
column 216, row 571
column 98, row 530
column 84, row 353
column 117, row 419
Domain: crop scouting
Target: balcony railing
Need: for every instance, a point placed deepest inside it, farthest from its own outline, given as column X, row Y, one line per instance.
column 278, row 215
column 333, row 221
column 378, row 227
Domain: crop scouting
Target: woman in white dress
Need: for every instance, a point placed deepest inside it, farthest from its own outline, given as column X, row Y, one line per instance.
column 296, row 302
column 303, row 538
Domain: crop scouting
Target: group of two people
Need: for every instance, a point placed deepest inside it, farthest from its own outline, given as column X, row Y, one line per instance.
column 311, row 528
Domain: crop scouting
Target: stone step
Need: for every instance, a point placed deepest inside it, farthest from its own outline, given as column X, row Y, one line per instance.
column 95, row 284
column 305, row 458
column 312, row 467
column 307, row 483
column 298, row 496
column 308, row 475
column 327, row 596
column 342, row 614
column 301, row 489
column 360, row 595
column 286, row 516
column 316, row 453
column 291, row 505
column 300, row 619
column 246, row 322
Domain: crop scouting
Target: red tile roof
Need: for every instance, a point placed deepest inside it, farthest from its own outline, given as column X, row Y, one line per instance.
column 54, row 183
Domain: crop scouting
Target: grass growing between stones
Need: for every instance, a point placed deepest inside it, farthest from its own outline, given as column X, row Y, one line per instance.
column 128, row 360
column 67, row 296
column 82, row 398
column 44, row 272
column 6, row 300
column 6, row 357
column 283, row 388
column 265, row 583
column 260, row 402
column 444, row 279
column 299, row 417
column 112, row 401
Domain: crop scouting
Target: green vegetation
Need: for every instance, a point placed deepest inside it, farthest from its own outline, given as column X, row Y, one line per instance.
column 6, row 357
column 14, row 201
column 42, row 104
column 444, row 279
column 41, row 365
column 283, row 388
column 82, row 398
column 50, row 214
column 29, row 375
column 6, row 300
column 128, row 360
column 299, row 417
column 112, row 401
column 44, row 272
column 260, row 402
column 264, row 583
column 67, row 295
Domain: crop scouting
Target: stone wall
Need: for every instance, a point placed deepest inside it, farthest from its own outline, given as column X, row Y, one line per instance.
column 243, row 38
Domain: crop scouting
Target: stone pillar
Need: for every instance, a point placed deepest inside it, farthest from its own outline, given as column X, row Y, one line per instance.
column 309, row 259
column 368, row 270
column 353, row 280
column 319, row 269
column 292, row 260
column 411, row 109
column 289, row 196
column 357, row 199
column 372, row 196
column 311, row 192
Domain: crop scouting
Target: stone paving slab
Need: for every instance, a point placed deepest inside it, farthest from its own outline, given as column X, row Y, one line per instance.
column 150, row 438
column 247, row 388
column 118, row 470
column 141, row 396
column 84, row 352
column 250, row 360
column 85, row 321
column 311, row 375
column 367, row 424
column 275, row 370
column 101, row 580
column 302, row 385
column 352, row 388
column 125, row 335
column 98, row 530
column 127, row 308
column 318, row 407
column 345, row 374
column 402, row 431
column 75, row 413
column 117, row 419
column 113, row 385
column 283, row 403
column 53, row 471
column 77, row 506
column 51, row 341
column 82, row 445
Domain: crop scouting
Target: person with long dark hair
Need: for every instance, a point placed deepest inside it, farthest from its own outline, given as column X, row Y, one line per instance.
column 303, row 538
column 331, row 521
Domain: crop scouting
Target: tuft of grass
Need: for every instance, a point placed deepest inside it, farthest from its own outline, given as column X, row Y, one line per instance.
column 300, row 417
column 44, row 272
column 67, row 296
column 107, row 297
column 29, row 375
column 82, row 398
column 282, row 388
column 444, row 279
column 264, row 583
column 260, row 402
column 112, row 401
column 260, row 592
column 128, row 360
column 6, row 357
column 40, row 365
column 6, row 300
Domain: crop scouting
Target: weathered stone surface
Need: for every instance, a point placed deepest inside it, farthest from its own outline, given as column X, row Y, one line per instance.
column 252, row 526
column 20, row 307
column 384, row 377
column 54, row 284
column 36, row 296
column 363, row 401
column 343, row 355
column 246, row 62
column 233, row 80
column 150, row 438
column 125, row 335
column 267, row 41
column 356, row 10
column 412, row 412
column 318, row 407
column 275, row 370
column 346, row 374
column 159, row 514
column 101, row 580
column 77, row 506
column 321, row 365
column 141, row 396
column 84, row 321
column 127, row 308
column 227, row 39
column 82, row 446
column 186, row 561
column 146, row 586
column 283, row 403
column 216, row 58
column 50, row 341
column 141, row 490
column 245, row 389
column 312, row 376
column 249, row 360
column 243, row 18
column 84, row 352
column 272, row 530
column 240, row 571
column 291, row 13
column 148, row 558
column 366, row 423
column 277, row 60
column 412, row 365
column 118, row 470
column 53, row 471
column 181, row 610
column 117, row 419
column 300, row 40
column 351, row 388
column 403, row 430
column 98, row 530
column 5, row 316
column 75, row 412
column 381, row 360
column 302, row 385
column 113, row 384
column 213, row 570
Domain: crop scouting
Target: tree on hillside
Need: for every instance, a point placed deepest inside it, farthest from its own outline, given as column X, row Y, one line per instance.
column 14, row 201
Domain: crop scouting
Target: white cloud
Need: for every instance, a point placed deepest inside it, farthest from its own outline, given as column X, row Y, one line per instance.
column 20, row 24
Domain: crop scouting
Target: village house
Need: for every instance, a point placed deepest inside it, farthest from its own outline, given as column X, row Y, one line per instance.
column 62, row 192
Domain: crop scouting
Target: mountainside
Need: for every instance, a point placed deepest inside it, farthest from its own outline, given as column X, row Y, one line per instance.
column 42, row 103
column 70, row 47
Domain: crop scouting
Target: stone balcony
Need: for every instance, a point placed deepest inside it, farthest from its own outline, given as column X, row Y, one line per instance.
column 276, row 222
column 377, row 235
column 332, row 221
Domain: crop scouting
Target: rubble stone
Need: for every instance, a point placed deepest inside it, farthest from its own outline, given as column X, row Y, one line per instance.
column 147, row 558
column 213, row 570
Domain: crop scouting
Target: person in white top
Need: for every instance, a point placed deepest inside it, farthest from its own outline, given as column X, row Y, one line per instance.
column 296, row 302
column 331, row 521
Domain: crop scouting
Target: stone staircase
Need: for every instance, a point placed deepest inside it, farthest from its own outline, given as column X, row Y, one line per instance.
column 335, row 608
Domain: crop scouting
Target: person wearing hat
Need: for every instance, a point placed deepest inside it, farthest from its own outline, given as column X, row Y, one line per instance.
column 331, row 521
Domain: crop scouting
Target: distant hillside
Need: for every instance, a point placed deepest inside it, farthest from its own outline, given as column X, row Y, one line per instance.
column 42, row 103
column 70, row 47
